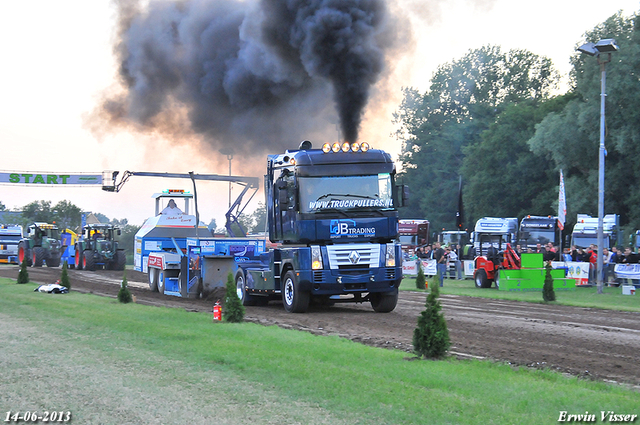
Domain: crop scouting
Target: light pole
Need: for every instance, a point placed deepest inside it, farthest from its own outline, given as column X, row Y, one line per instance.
column 602, row 51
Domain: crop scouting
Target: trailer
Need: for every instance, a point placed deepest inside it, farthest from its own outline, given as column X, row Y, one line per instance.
column 203, row 267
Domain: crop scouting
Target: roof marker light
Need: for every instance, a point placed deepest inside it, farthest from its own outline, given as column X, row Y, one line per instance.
column 346, row 147
column 355, row 147
column 326, row 148
column 364, row 146
column 336, row 147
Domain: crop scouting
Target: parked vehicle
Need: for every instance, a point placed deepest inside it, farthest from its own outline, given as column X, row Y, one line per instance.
column 41, row 245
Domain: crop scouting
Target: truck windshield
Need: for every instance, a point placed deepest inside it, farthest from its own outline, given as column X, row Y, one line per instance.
column 586, row 240
column 345, row 193
column 538, row 237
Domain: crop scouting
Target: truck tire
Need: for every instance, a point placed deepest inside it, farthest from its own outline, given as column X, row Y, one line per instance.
column 53, row 261
column 120, row 260
column 481, row 279
column 37, row 256
column 384, row 302
column 153, row 279
column 79, row 259
column 88, row 263
column 23, row 253
column 161, row 276
column 294, row 300
column 245, row 298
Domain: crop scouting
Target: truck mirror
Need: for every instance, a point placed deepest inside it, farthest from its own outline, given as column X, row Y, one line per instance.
column 403, row 194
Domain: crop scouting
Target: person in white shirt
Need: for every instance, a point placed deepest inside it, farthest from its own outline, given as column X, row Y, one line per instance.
column 171, row 209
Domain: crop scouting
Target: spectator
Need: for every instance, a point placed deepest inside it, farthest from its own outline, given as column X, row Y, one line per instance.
column 539, row 249
column 441, row 261
column 607, row 265
column 459, row 262
column 567, row 255
column 453, row 264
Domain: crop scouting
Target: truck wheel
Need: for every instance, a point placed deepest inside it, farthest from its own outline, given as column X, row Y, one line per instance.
column 79, row 259
column 481, row 279
column 384, row 302
column 245, row 298
column 294, row 300
column 53, row 261
column 37, row 256
column 161, row 276
column 153, row 279
column 121, row 260
column 23, row 253
column 88, row 263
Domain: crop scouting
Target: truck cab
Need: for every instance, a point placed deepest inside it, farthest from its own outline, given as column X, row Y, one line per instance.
column 585, row 232
column 538, row 230
column 333, row 214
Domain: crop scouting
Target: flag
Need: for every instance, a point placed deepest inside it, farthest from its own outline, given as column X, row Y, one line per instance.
column 459, row 222
column 562, row 204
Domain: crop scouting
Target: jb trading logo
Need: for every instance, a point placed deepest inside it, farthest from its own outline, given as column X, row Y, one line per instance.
column 349, row 228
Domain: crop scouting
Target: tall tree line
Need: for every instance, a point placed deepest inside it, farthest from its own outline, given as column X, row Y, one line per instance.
column 490, row 117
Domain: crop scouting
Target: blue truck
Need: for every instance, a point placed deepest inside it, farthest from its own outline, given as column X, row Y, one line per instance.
column 332, row 217
column 332, row 213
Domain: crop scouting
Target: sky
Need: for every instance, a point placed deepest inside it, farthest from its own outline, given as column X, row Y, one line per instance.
column 57, row 60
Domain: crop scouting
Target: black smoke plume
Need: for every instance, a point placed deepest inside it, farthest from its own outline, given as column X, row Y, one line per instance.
column 251, row 75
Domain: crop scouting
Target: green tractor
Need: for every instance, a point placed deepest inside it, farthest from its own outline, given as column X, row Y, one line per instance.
column 41, row 246
column 97, row 248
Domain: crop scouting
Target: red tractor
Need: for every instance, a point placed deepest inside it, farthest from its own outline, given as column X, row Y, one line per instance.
column 491, row 258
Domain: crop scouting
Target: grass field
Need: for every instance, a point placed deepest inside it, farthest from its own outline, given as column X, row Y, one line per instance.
column 112, row 363
column 612, row 297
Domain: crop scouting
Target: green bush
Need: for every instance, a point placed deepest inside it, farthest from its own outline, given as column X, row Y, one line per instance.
column 124, row 295
column 64, row 277
column 548, row 294
column 233, row 310
column 420, row 280
column 23, row 274
column 431, row 336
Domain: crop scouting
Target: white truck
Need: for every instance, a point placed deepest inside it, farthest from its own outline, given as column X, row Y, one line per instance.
column 10, row 236
column 585, row 232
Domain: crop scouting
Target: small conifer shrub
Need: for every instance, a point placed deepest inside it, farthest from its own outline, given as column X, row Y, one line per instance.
column 23, row 274
column 64, row 277
column 233, row 310
column 431, row 336
column 124, row 295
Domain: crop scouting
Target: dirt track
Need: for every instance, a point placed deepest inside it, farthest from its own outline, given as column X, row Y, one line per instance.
column 598, row 344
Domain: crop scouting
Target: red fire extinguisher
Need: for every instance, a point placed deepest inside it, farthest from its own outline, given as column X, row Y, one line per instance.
column 217, row 311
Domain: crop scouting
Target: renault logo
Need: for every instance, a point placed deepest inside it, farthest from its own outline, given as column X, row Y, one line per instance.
column 354, row 257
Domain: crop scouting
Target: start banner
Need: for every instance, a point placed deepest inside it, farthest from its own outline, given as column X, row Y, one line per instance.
column 50, row 179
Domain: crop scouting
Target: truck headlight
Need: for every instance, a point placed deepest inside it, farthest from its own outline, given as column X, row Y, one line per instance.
column 316, row 258
column 390, row 258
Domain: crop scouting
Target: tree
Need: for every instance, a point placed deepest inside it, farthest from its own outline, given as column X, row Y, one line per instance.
column 67, row 215
column 570, row 138
column 259, row 218
column 124, row 295
column 64, row 277
column 464, row 99
column 38, row 211
column 23, row 274
column 431, row 336
column 233, row 309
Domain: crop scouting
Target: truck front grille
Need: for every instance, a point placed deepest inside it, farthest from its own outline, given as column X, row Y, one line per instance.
column 354, row 255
